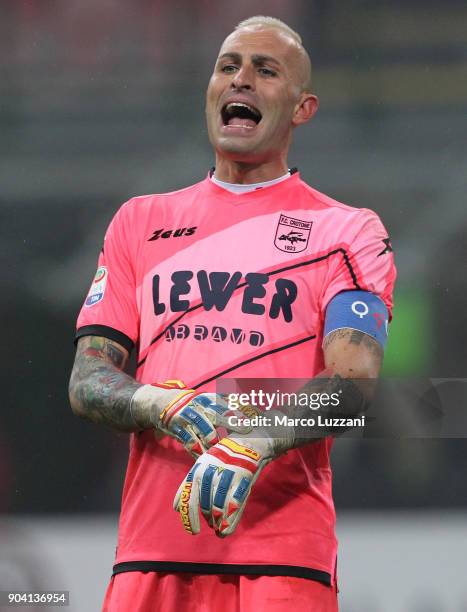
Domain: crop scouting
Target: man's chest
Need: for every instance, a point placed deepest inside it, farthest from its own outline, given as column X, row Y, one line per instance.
column 252, row 282
column 269, row 267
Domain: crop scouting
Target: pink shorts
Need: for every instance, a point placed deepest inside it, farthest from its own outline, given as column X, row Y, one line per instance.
column 154, row 591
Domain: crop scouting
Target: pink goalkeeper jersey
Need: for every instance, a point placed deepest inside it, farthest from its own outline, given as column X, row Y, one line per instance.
column 209, row 284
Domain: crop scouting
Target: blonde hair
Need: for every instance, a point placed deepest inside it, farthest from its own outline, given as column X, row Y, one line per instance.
column 270, row 22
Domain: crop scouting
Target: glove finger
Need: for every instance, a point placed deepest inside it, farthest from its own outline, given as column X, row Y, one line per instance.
column 235, row 506
column 186, row 502
column 178, row 494
column 200, row 425
column 216, row 409
column 186, row 436
column 176, row 502
column 226, row 480
column 230, row 525
column 193, row 509
column 214, row 490
column 208, row 482
column 211, row 402
column 237, row 502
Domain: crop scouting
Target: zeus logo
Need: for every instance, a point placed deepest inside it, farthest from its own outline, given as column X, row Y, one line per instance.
column 216, row 290
column 181, row 231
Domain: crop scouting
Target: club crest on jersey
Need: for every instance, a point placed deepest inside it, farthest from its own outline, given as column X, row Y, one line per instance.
column 97, row 290
column 292, row 235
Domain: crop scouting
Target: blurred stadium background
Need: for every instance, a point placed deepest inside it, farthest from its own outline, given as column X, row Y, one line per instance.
column 103, row 100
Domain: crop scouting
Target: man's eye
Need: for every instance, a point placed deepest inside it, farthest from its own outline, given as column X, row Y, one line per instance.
column 228, row 68
column 267, row 71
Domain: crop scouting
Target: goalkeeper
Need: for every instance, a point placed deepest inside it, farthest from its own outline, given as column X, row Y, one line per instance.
column 250, row 273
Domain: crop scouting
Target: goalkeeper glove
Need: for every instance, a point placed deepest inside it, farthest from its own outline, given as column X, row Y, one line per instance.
column 221, row 480
column 187, row 415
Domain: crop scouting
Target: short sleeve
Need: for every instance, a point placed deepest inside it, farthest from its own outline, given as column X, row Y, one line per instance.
column 366, row 263
column 110, row 307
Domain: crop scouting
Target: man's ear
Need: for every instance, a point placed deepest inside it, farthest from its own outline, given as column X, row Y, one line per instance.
column 305, row 109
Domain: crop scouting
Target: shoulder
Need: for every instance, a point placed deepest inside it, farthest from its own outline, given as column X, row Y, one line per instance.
column 139, row 203
column 141, row 215
column 326, row 202
column 354, row 218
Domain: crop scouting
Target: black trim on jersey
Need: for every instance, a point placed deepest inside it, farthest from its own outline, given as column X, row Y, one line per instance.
column 316, row 260
column 285, row 269
column 214, row 568
column 242, row 363
column 106, row 332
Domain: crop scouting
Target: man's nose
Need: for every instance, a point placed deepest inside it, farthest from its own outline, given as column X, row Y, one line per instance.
column 244, row 79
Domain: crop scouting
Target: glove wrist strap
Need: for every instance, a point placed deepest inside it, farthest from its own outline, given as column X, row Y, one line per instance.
column 271, row 439
column 149, row 404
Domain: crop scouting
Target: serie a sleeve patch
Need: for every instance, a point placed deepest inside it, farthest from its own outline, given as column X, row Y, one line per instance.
column 97, row 290
column 360, row 310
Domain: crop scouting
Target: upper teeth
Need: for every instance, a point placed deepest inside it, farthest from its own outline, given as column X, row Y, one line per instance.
column 231, row 105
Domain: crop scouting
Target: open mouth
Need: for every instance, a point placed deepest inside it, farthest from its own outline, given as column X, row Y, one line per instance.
column 239, row 114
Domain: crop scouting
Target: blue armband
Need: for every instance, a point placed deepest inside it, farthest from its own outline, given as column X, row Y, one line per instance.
column 360, row 310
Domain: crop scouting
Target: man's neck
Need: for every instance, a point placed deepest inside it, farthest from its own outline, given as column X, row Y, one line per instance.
column 242, row 173
column 248, row 187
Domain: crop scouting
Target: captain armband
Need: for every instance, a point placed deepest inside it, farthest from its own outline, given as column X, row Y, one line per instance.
column 359, row 310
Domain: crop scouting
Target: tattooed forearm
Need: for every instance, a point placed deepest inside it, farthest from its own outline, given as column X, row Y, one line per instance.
column 353, row 354
column 358, row 337
column 353, row 361
column 99, row 390
column 336, row 335
column 354, row 337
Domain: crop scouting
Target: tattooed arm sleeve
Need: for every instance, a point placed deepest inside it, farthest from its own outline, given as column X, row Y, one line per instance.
column 99, row 390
